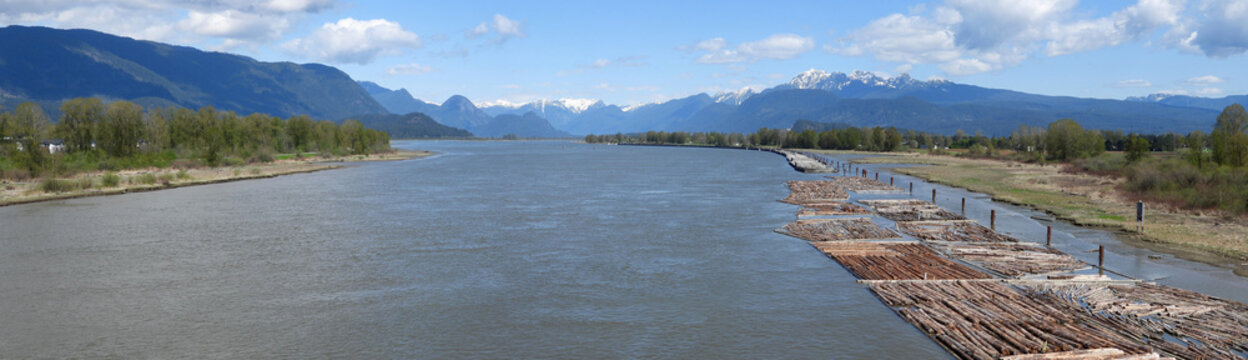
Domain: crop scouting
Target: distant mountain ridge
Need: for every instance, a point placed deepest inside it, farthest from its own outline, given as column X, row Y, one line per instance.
column 862, row 98
column 48, row 65
column 459, row 112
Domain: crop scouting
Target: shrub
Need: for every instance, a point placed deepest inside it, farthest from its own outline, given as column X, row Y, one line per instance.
column 232, row 161
column 146, row 179
column 183, row 175
column 85, row 183
column 166, row 178
column 110, row 180
column 57, row 186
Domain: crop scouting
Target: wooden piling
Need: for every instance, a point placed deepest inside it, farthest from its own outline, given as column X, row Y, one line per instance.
column 933, row 195
column 1048, row 239
column 890, row 181
column 992, row 220
column 963, row 206
column 1100, row 258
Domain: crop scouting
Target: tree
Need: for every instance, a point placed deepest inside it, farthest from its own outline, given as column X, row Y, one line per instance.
column 1137, row 148
column 29, row 126
column 78, row 121
column 1229, row 148
column 121, row 128
column 1066, row 140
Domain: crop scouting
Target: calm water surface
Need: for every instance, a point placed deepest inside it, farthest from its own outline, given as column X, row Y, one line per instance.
column 490, row 250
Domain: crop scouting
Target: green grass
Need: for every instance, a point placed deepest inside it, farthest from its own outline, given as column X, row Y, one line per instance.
column 292, row 156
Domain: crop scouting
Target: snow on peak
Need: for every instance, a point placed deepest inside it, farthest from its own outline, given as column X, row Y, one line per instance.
column 501, row 103
column 636, row 106
column 735, row 97
column 578, row 105
column 809, row 79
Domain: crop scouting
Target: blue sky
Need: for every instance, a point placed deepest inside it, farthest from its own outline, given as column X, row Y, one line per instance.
column 645, row 51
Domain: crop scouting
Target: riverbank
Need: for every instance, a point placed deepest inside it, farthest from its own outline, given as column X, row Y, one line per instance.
column 1086, row 200
column 100, row 183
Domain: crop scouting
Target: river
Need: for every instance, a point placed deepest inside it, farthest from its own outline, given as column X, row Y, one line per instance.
column 488, row 250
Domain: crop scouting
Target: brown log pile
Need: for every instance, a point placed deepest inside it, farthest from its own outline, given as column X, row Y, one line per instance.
column 911, row 210
column 864, row 185
column 836, row 230
column 956, row 231
column 988, row 320
column 832, row 208
column 1012, row 259
column 816, row 191
column 896, row 261
column 1093, row 354
column 1173, row 321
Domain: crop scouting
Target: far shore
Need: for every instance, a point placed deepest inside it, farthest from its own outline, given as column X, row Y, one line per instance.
column 152, row 179
column 1087, row 200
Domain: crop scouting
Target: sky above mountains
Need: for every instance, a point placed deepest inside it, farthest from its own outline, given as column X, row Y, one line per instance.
column 646, row 51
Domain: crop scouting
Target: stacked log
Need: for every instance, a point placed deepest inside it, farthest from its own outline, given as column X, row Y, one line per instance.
column 988, row 320
column 1174, row 321
column 953, row 231
column 814, row 192
column 896, row 261
column 1012, row 259
column 864, row 185
column 832, row 208
column 836, row 230
column 911, row 210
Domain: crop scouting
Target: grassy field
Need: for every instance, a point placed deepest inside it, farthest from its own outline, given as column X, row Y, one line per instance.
column 110, row 183
column 1081, row 199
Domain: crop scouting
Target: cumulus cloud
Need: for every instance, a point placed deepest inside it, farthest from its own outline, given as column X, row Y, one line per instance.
column 502, row 27
column 409, row 69
column 180, row 21
column 354, row 41
column 774, row 47
column 1218, row 29
column 965, row 37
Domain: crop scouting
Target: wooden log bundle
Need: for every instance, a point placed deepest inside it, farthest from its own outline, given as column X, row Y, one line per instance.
column 911, row 210
column 832, row 208
column 954, row 231
column 896, row 261
column 1012, row 259
column 1174, row 321
column 988, row 320
column 836, row 230
column 814, row 191
column 864, row 185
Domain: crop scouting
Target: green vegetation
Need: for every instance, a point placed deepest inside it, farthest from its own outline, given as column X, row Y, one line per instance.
column 122, row 135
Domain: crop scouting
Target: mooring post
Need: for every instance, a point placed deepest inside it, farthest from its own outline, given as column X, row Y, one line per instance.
column 890, row 181
column 992, row 219
column 963, row 206
column 911, row 188
column 933, row 196
column 877, row 176
column 1048, row 239
column 1100, row 258
column 864, row 173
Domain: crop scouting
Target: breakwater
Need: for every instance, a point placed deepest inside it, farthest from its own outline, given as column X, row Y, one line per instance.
column 985, row 295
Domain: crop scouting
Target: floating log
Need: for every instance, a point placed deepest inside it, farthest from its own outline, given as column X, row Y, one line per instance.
column 988, row 320
column 911, row 210
column 895, row 261
column 813, row 192
column 865, row 185
column 1011, row 259
column 832, row 208
column 953, row 231
column 836, row 230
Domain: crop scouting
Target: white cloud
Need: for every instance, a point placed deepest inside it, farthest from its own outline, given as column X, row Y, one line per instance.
column 234, row 24
column 1218, row 29
column 775, row 47
column 1133, row 83
column 1205, row 80
column 1210, row 92
column 600, row 63
column 507, row 27
column 409, row 69
column 354, row 41
column 965, row 37
column 190, row 22
column 480, row 29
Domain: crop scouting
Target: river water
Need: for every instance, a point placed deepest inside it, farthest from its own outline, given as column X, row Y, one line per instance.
column 489, row 250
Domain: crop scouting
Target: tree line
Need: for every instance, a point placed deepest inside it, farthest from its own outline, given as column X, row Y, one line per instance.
column 122, row 134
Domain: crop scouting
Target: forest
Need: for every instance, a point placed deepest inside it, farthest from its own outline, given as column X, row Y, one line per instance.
column 91, row 135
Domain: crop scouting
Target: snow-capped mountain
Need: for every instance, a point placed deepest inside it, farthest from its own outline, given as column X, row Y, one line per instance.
column 857, row 83
column 734, row 97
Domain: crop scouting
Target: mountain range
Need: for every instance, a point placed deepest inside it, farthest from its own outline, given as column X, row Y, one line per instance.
column 49, row 65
